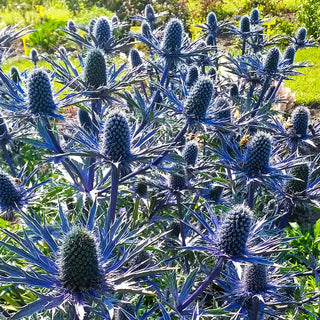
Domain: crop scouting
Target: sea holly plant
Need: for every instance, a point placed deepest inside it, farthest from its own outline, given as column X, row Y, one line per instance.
column 158, row 181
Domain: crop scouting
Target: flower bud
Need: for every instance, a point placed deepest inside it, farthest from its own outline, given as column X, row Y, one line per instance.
column 212, row 21
column 272, row 60
column 149, row 14
column 71, row 26
column 135, row 59
column 177, row 179
column 146, row 30
column 190, row 153
column 192, row 76
column 300, row 120
column 254, row 16
column 245, row 24
column 173, row 36
column 10, row 195
column 95, row 69
column 14, row 74
column 300, row 172
column 102, row 32
column 255, row 278
column 289, row 54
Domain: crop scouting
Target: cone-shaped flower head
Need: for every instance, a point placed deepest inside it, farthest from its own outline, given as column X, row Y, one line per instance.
column 34, row 56
column 199, row 100
column 190, row 153
column 116, row 137
column 135, row 59
column 92, row 23
column 14, row 74
column 95, row 70
column 102, row 32
column 301, row 35
column 254, row 16
column 255, row 278
column 258, row 154
column 85, row 120
column 149, row 14
column 79, row 265
column 234, row 231
column 210, row 40
column 245, row 24
column 212, row 21
column 272, row 60
column 295, row 186
column 173, row 34
column 192, row 76
column 71, row 26
column 141, row 189
column 39, row 89
column 224, row 106
column 214, row 193
column 300, row 120
column 145, row 30
column 177, row 179
column 114, row 20
column 289, row 54
column 10, row 195
column 234, row 91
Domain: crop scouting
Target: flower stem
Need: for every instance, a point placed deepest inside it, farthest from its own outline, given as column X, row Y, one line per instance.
column 113, row 195
column 243, row 46
column 251, row 189
column 214, row 273
column 262, row 93
column 276, row 89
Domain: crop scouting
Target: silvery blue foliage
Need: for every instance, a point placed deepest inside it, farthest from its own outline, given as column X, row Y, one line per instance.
column 40, row 97
column 300, row 120
column 4, row 133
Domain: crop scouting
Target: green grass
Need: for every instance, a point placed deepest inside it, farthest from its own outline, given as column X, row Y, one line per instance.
column 307, row 87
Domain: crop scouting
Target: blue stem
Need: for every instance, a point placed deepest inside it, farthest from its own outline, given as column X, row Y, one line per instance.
column 285, row 218
column 244, row 46
column 214, row 273
column 262, row 93
column 8, row 159
column 276, row 89
column 113, row 195
column 251, row 189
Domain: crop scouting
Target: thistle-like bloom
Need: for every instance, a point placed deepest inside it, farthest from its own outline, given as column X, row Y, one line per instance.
column 102, row 33
column 199, row 100
column 71, row 26
column 95, row 70
column 85, row 120
column 244, row 24
column 300, row 121
column 34, row 56
column 224, row 110
column 15, row 74
column 192, row 76
column 135, row 59
column 301, row 180
column 40, row 97
column 190, row 153
column 5, row 136
column 149, row 14
column 300, row 40
column 289, row 54
column 177, row 178
column 255, row 17
column 173, row 36
column 271, row 62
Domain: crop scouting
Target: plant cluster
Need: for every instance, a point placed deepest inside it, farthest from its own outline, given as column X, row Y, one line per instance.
column 165, row 183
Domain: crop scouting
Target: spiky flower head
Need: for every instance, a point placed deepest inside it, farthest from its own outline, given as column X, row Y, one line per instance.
column 289, row 54
column 272, row 60
column 114, row 20
column 95, row 70
column 71, row 26
column 224, row 106
column 135, row 58
column 79, row 265
column 190, row 153
column 102, row 32
column 146, row 30
column 92, row 23
column 116, row 137
column 212, row 21
column 39, row 90
column 300, row 172
column 10, row 195
column 255, row 278
column 258, row 154
column 192, row 76
column 254, row 16
column 234, row 91
column 234, row 231
column 214, row 192
column 300, row 120
column 245, row 24
column 210, row 40
column 14, row 74
column 173, row 34
column 141, row 189
column 34, row 56
column 149, row 13
column 177, row 178
column 301, row 35
column 85, row 120
column 199, row 100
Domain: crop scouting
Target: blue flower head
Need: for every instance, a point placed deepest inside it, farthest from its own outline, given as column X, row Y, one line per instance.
column 145, row 30
column 272, row 60
column 258, row 154
column 116, row 136
column 79, row 262
column 210, row 40
column 135, row 58
column 212, row 73
column 85, row 120
column 199, row 100
column 300, row 172
column 11, row 196
column 190, row 153
column 177, row 179
column 71, row 26
column 192, row 76
column 14, row 74
column 40, row 96
column 102, row 32
column 301, row 35
column 92, row 23
column 289, row 54
column 245, row 24
column 300, row 120
column 173, row 36
column 114, row 20
column 141, row 189
column 224, row 112
column 212, row 21
column 95, row 70
column 234, row 231
column 234, row 91
column 34, row 56
column 149, row 14
column 255, row 278
column 254, row 16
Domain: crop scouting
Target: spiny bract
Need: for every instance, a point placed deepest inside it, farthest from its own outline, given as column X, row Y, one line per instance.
column 10, row 195
column 190, row 153
column 102, row 32
column 258, row 154
column 79, row 269
column 173, row 34
column 199, row 99
column 300, row 120
column 298, row 186
column 40, row 96
column 255, row 278
column 116, row 137
column 272, row 60
column 234, row 231
column 95, row 70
